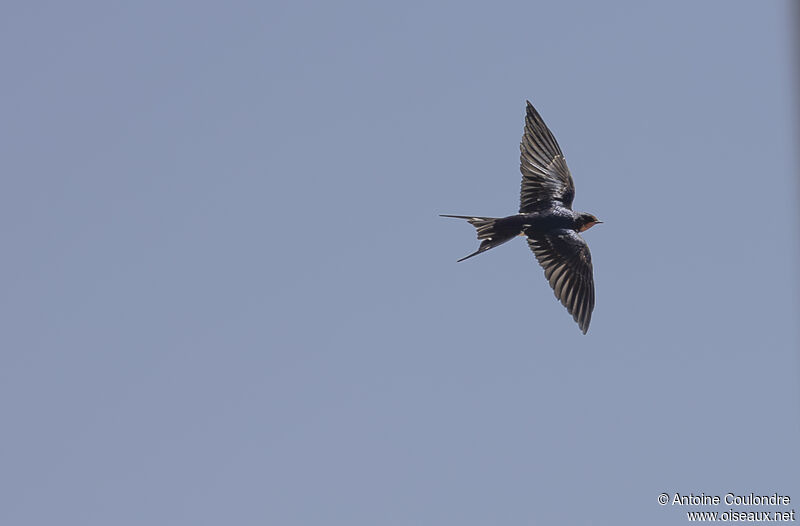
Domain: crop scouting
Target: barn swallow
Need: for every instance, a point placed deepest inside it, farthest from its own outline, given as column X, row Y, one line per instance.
column 546, row 218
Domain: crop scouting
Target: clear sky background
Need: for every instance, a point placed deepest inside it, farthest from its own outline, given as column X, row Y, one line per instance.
column 227, row 297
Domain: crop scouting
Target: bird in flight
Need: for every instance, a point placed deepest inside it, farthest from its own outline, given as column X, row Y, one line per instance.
column 546, row 218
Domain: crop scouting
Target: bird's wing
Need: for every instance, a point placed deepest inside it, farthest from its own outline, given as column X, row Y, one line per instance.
column 545, row 176
column 567, row 264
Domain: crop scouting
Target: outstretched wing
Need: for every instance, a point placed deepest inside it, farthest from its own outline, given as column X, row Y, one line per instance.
column 545, row 176
column 567, row 264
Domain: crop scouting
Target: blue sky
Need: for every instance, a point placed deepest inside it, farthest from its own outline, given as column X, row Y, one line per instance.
column 228, row 297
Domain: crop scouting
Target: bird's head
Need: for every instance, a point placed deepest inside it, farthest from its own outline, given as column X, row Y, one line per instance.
column 586, row 221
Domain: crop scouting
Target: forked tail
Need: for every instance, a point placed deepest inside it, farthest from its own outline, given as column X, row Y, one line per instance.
column 492, row 231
